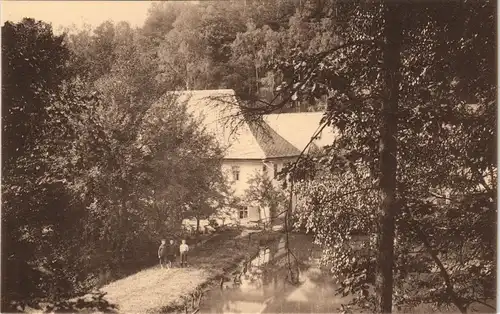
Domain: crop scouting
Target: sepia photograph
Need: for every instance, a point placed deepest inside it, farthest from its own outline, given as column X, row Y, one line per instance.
column 249, row 156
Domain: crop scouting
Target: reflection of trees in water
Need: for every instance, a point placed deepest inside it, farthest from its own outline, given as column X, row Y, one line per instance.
column 277, row 263
column 271, row 275
column 270, row 272
column 266, row 268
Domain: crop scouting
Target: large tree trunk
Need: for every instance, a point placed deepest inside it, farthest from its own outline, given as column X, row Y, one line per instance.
column 388, row 156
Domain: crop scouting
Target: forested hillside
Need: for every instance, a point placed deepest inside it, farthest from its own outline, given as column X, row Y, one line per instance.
column 186, row 46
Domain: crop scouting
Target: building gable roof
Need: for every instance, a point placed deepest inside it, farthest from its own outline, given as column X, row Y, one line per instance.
column 273, row 145
column 278, row 135
column 298, row 128
column 219, row 112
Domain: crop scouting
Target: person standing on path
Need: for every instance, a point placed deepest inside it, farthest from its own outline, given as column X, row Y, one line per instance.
column 184, row 249
column 162, row 252
column 171, row 253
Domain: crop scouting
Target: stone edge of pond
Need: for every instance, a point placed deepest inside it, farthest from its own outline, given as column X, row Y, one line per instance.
column 179, row 305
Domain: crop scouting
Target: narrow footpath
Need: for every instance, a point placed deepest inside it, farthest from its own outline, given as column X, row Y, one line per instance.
column 157, row 290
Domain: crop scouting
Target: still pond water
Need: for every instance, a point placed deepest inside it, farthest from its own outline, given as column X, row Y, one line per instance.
column 265, row 284
column 265, row 287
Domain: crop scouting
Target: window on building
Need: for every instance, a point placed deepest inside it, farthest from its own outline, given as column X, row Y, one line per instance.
column 275, row 170
column 244, row 213
column 236, row 173
column 264, row 169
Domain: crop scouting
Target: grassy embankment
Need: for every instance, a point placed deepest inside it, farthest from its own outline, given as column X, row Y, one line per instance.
column 157, row 290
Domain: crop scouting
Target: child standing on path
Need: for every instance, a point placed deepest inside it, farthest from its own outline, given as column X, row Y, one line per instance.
column 171, row 250
column 184, row 249
column 162, row 252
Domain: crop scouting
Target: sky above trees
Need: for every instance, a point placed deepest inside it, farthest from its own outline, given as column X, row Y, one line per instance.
column 66, row 13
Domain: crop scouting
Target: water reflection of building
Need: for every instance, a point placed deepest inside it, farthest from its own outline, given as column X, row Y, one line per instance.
column 266, row 288
column 262, row 258
column 264, row 274
column 260, row 274
column 281, row 247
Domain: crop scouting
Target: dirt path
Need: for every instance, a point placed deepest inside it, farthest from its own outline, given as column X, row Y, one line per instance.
column 152, row 289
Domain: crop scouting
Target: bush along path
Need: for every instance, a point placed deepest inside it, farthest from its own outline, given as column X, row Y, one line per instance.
column 157, row 290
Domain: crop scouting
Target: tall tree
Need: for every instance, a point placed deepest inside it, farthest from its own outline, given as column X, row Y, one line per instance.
column 388, row 154
column 40, row 238
column 29, row 49
column 380, row 73
column 251, row 52
column 161, row 18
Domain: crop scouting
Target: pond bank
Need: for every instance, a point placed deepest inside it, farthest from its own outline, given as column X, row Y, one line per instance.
column 157, row 290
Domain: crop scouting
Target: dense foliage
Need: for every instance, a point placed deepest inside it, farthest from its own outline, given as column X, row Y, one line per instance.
column 98, row 162
column 31, row 249
column 445, row 225
column 97, row 171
